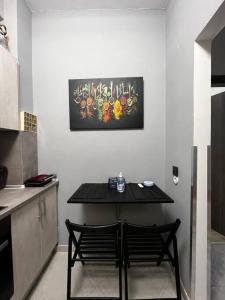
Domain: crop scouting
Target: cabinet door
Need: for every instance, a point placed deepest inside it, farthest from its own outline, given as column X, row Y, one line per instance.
column 9, row 103
column 49, row 222
column 26, row 243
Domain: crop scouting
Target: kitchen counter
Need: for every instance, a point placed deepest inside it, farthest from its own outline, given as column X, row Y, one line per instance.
column 15, row 198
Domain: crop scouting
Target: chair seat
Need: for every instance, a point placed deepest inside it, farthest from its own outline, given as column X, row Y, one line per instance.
column 144, row 247
column 93, row 244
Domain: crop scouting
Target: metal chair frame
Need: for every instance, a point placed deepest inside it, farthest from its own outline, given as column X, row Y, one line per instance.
column 96, row 243
column 151, row 244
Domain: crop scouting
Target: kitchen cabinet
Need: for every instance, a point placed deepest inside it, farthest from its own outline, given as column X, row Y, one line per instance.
column 26, row 243
column 34, row 237
column 49, row 222
column 9, row 96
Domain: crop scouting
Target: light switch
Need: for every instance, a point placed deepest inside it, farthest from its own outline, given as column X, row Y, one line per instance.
column 175, row 175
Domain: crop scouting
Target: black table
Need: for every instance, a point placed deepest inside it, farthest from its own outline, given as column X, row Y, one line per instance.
column 98, row 193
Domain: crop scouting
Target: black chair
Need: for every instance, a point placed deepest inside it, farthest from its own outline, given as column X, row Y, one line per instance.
column 151, row 244
column 99, row 243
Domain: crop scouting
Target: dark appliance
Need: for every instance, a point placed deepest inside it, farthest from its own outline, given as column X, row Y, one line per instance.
column 3, row 176
column 6, row 262
column 40, row 180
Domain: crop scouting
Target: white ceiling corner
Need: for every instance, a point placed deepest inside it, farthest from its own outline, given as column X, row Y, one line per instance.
column 61, row 5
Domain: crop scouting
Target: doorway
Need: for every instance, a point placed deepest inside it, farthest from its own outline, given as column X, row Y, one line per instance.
column 201, row 279
column 217, row 208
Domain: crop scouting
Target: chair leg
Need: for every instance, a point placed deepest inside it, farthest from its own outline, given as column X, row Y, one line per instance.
column 177, row 272
column 120, row 281
column 125, row 280
column 118, row 250
column 69, row 269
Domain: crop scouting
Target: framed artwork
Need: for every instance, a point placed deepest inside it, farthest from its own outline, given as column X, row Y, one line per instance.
column 106, row 103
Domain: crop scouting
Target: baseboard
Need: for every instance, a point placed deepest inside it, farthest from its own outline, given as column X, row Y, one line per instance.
column 62, row 248
column 184, row 292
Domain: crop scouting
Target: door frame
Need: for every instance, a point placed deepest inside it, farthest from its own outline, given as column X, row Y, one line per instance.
column 200, row 218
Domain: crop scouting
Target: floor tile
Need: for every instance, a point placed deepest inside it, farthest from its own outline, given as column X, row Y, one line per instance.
column 95, row 280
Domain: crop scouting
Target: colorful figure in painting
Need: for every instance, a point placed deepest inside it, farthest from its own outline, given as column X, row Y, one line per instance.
column 129, row 102
column 83, row 111
column 117, row 109
column 111, row 98
column 99, row 108
column 100, row 101
column 95, row 106
column 131, row 110
column 89, row 107
column 89, row 103
column 123, row 101
column 105, row 112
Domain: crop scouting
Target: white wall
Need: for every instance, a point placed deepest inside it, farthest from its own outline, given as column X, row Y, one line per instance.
column 99, row 44
column 1, row 9
column 10, row 20
column 185, row 21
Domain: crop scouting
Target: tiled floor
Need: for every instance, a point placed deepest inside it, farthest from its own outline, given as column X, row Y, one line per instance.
column 93, row 280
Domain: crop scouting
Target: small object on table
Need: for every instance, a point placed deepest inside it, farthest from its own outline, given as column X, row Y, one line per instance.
column 112, row 183
column 148, row 183
column 121, row 184
column 140, row 185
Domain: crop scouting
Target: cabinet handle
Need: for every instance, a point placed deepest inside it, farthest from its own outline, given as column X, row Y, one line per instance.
column 39, row 208
column 4, row 245
column 44, row 206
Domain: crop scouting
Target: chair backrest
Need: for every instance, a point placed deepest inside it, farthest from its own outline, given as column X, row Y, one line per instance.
column 99, row 237
column 93, row 229
column 171, row 227
column 167, row 231
column 113, row 230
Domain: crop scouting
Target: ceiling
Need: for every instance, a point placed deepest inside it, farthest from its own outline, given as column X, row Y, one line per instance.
column 51, row 5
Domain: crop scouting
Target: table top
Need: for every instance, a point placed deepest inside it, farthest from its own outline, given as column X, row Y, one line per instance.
column 93, row 193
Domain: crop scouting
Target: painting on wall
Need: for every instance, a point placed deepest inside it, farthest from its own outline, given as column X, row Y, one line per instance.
column 106, row 103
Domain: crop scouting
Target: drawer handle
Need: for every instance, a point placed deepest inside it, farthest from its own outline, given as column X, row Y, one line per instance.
column 4, row 245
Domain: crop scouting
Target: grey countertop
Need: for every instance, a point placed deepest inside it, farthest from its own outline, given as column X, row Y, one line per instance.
column 15, row 198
